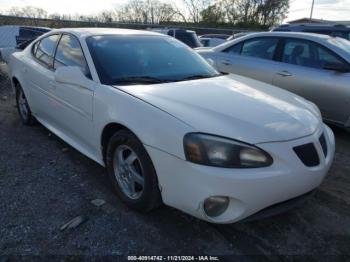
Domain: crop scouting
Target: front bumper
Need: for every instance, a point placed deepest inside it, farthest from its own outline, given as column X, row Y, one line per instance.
column 185, row 185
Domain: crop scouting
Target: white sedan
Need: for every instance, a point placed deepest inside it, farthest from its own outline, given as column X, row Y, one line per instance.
column 168, row 127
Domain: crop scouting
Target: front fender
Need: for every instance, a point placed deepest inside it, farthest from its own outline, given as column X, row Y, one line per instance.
column 154, row 127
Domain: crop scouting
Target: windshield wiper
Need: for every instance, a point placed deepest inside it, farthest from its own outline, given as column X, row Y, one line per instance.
column 138, row 80
column 194, row 77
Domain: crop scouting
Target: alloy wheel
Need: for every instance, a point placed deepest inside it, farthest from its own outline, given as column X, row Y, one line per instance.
column 128, row 172
column 23, row 105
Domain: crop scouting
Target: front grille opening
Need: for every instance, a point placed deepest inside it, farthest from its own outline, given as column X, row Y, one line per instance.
column 307, row 154
column 324, row 145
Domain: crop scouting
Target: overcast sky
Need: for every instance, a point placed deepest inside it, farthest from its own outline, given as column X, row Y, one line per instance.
column 324, row 9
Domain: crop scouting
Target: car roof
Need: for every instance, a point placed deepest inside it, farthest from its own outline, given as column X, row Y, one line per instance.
column 321, row 39
column 291, row 34
column 311, row 36
column 307, row 36
column 86, row 31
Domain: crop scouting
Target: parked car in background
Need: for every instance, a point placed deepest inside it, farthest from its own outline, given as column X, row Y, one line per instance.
column 16, row 38
column 211, row 42
column 6, row 52
column 238, row 35
column 168, row 127
column 220, row 36
column 13, row 35
column 188, row 37
column 314, row 66
column 324, row 29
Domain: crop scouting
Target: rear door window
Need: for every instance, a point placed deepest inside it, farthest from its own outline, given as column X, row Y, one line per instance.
column 298, row 52
column 45, row 49
column 263, row 47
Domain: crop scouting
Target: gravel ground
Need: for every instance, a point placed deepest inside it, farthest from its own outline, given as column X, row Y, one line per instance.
column 44, row 183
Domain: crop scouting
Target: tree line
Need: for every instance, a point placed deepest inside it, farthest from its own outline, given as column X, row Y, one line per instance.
column 240, row 13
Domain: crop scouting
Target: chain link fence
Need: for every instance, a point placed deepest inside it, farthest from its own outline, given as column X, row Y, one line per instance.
column 5, row 84
column 60, row 23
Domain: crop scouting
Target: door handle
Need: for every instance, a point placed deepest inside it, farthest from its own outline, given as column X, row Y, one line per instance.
column 284, row 73
column 226, row 62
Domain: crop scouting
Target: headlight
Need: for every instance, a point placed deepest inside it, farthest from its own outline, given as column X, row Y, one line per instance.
column 222, row 152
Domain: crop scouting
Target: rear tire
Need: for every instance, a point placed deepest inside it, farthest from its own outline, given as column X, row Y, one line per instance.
column 132, row 173
column 23, row 107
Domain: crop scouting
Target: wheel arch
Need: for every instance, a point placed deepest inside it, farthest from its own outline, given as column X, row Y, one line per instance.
column 107, row 132
column 15, row 83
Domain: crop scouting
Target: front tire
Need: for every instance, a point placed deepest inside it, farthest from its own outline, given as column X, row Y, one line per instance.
column 23, row 107
column 132, row 173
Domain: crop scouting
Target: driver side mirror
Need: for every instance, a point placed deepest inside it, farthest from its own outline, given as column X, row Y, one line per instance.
column 340, row 68
column 72, row 75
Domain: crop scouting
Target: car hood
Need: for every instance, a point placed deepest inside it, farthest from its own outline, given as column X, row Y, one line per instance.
column 234, row 107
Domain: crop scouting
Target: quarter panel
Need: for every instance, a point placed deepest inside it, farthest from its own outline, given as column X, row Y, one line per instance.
column 16, row 69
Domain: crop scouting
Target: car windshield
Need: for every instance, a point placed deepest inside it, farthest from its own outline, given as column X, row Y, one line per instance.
column 341, row 43
column 126, row 60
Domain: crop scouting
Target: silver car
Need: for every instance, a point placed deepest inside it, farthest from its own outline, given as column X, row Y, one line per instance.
column 316, row 67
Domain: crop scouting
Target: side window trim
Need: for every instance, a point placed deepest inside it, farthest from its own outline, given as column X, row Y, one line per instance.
column 279, row 50
column 55, row 49
column 82, row 51
column 54, row 54
column 311, row 42
column 35, row 46
column 262, row 37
